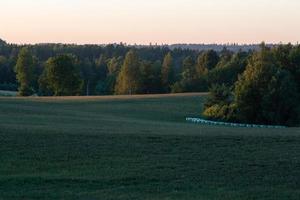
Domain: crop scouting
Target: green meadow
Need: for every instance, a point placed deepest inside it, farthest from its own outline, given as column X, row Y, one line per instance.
column 139, row 147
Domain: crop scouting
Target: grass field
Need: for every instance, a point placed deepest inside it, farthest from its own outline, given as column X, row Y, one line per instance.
column 139, row 147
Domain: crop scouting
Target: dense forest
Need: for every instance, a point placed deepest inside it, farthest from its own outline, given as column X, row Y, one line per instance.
column 253, row 86
column 115, row 69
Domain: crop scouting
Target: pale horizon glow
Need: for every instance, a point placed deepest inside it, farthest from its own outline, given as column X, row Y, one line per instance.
column 149, row 21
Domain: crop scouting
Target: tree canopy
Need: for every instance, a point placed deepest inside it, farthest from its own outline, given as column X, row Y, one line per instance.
column 167, row 72
column 129, row 79
column 25, row 72
column 62, row 76
column 266, row 93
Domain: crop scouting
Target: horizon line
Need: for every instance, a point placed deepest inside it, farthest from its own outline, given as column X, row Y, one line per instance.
column 153, row 43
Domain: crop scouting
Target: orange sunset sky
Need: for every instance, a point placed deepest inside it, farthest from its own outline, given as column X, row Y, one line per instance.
column 145, row 21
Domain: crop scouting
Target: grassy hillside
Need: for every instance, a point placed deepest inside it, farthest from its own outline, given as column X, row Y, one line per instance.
column 138, row 147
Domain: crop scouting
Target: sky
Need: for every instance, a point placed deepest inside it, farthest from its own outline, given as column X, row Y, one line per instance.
column 149, row 21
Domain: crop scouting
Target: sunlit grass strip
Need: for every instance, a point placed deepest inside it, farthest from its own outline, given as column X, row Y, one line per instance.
column 215, row 123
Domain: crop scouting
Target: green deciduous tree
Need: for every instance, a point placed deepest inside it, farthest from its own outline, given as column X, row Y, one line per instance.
column 167, row 72
column 225, row 57
column 229, row 72
column 151, row 77
column 107, row 85
column 207, row 61
column 190, row 81
column 62, row 76
column 25, row 71
column 129, row 79
column 114, row 65
column 189, row 70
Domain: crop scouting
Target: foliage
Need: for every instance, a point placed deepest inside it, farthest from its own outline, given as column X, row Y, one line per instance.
column 225, row 56
column 7, row 73
column 151, row 77
column 167, row 73
column 190, row 81
column 188, row 66
column 219, row 94
column 222, row 112
column 107, row 86
column 62, row 76
column 25, row 72
column 289, row 59
column 129, row 79
column 88, row 75
column 8, row 86
column 218, row 105
column 266, row 93
column 228, row 73
column 207, row 61
column 100, row 66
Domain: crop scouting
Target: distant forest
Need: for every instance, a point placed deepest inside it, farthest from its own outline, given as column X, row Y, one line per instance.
column 161, row 69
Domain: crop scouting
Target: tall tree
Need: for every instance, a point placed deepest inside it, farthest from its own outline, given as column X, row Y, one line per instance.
column 229, row 72
column 25, row 71
column 288, row 57
column 129, row 79
column 167, row 73
column 88, row 74
column 189, row 81
column 114, row 65
column 62, row 76
column 101, row 68
column 151, row 77
column 294, row 58
column 107, row 85
column 189, row 70
column 225, row 57
column 207, row 61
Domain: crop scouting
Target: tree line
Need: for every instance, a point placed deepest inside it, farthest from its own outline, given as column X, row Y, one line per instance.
column 60, row 69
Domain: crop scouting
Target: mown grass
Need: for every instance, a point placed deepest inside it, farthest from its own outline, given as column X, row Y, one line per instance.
column 139, row 148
